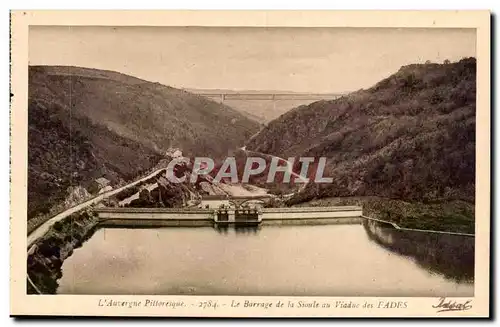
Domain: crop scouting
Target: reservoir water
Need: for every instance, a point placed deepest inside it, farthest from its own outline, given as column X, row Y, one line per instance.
column 367, row 259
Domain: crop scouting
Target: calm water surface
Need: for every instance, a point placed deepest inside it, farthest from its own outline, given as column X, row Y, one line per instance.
column 327, row 260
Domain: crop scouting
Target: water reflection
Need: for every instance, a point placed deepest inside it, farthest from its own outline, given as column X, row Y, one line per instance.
column 446, row 254
column 239, row 229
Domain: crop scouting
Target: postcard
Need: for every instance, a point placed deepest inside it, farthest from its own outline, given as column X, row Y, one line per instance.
column 250, row 163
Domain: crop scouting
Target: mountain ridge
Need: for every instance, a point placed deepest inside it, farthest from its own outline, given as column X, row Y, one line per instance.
column 411, row 136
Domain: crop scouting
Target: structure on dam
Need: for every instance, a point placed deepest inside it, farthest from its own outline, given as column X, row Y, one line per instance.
column 226, row 201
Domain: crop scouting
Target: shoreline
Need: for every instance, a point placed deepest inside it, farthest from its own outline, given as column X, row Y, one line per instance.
column 448, row 216
column 47, row 254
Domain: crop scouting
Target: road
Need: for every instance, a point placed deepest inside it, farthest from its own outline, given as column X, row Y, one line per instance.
column 150, row 188
column 289, row 165
column 239, row 190
column 42, row 229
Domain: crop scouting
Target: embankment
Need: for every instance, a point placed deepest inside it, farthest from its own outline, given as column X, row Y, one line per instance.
column 47, row 254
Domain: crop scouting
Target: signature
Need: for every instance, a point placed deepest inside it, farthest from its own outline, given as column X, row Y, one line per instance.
column 450, row 305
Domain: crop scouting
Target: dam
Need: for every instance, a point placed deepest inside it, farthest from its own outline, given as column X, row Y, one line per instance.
column 206, row 216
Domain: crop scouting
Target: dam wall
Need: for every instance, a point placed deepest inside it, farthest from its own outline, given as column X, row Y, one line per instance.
column 311, row 212
column 312, row 215
column 154, row 214
column 138, row 217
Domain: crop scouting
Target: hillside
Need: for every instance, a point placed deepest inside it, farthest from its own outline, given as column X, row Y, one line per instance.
column 87, row 123
column 409, row 137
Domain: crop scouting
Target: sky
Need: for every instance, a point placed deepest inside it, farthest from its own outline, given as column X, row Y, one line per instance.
column 317, row 60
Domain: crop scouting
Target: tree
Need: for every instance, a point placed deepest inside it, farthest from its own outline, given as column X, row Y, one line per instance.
column 144, row 195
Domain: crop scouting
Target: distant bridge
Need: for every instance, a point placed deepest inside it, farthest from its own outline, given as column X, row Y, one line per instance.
column 221, row 97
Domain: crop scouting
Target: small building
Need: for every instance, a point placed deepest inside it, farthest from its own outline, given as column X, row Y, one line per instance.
column 173, row 153
column 99, row 184
column 102, row 182
column 214, row 201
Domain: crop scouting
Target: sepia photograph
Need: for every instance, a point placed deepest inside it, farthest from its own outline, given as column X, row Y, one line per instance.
column 253, row 162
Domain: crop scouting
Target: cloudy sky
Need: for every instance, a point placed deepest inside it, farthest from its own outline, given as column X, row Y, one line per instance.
column 288, row 59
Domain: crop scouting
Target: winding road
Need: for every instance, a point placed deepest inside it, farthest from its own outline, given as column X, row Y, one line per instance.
column 289, row 165
column 43, row 228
